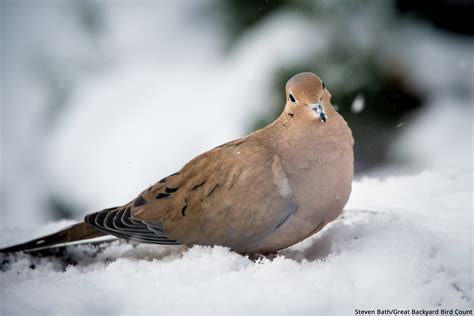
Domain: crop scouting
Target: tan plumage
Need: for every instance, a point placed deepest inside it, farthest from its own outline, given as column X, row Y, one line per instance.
column 257, row 194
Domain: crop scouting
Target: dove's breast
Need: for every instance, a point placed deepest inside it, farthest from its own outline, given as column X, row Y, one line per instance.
column 320, row 196
column 320, row 182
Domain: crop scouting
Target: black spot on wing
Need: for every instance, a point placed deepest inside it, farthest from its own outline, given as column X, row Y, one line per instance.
column 198, row 186
column 139, row 201
column 166, row 178
column 183, row 210
column 162, row 196
column 171, row 190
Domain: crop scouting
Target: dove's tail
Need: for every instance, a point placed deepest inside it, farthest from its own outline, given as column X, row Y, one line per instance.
column 74, row 233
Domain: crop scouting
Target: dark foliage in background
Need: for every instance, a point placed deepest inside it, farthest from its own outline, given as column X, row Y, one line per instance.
column 386, row 97
column 388, row 100
column 449, row 15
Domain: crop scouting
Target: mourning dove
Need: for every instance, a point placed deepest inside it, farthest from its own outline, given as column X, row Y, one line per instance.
column 257, row 194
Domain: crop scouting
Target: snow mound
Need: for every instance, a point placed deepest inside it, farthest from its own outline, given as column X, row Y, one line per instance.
column 414, row 254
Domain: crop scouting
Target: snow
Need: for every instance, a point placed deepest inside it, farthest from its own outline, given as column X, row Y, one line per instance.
column 358, row 104
column 404, row 240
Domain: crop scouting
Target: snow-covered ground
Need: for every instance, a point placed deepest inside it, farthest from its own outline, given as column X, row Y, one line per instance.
column 404, row 241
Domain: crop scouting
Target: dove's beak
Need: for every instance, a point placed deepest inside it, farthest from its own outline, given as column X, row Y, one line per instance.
column 318, row 108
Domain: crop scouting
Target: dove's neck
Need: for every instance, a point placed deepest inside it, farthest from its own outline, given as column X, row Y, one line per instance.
column 304, row 140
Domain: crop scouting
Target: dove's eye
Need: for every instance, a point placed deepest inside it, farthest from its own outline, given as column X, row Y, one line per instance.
column 292, row 98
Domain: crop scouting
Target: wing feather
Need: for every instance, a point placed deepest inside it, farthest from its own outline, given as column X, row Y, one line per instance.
column 118, row 222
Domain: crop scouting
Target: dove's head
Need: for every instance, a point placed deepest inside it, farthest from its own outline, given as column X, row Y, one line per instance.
column 306, row 95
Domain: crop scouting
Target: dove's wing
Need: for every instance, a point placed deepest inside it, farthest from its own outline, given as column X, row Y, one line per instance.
column 119, row 222
column 233, row 195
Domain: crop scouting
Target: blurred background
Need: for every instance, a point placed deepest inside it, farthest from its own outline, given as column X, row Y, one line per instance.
column 100, row 99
